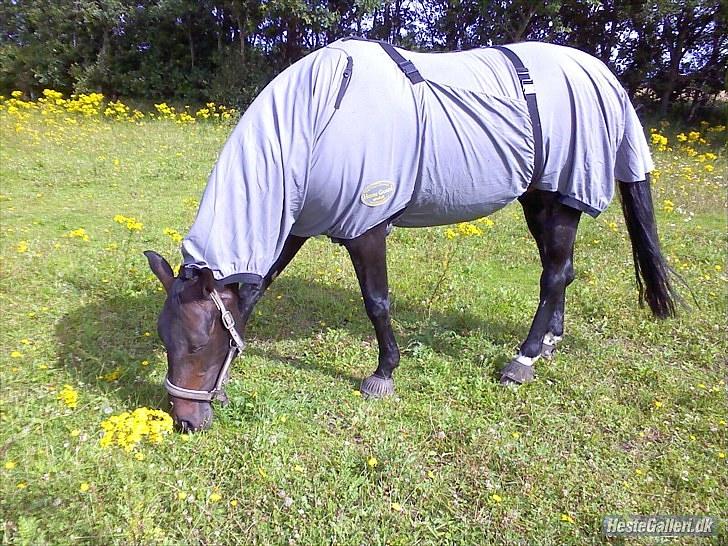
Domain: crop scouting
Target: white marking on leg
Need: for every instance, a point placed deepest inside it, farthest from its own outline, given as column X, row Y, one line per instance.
column 551, row 340
column 526, row 360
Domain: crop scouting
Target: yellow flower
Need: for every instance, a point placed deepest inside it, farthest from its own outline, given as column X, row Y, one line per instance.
column 681, row 137
column 668, row 206
column 496, row 498
column 397, row 507
column 144, row 363
column 709, row 168
column 657, row 404
column 21, row 247
column 68, row 396
column 173, row 234
column 181, row 495
column 372, row 462
column 21, row 485
column 234, row 503
column 130, row 223
column 139, row 456
column 128, row 429
column 567, row 518
column 450, row 233
column 215, row 497
column 79, row 233
column 16, row 354
column 721, row 455
column 9, row 465
column 693, row 135
column 84, row 487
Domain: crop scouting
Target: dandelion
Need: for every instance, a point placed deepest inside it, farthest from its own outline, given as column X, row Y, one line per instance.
column 450, row 233
column 657, row 404
column 113, row 375
column 21, row 485
column 721, row 454
column 234, row 503
column 84, row 487
column 21, row 247
column 132, row 224
column 181, row 495
column 69, row 396
column 128, row 429
column 660, row 141
column 79, row 233
column 668, row 206
column 16, row 354
column 709, row 168
column 9, row 465
column 139, row 456
column 173, row 234
column 496, row 498
column 566, row 518
column 372, row 462
column 356, row 394
column 215, row 497
column 397, row 507
column 467, row 229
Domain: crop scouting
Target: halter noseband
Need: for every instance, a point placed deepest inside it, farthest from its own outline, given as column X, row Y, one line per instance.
column 236, row 347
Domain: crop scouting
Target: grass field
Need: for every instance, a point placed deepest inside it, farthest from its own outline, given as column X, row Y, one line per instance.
column 630, row 416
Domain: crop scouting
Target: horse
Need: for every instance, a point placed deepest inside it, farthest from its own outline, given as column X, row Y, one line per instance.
column 360, row 137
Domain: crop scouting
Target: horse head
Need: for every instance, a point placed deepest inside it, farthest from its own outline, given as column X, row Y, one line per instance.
column 198, row 343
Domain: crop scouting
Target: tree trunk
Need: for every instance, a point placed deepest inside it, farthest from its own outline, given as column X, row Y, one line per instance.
column 192, row 44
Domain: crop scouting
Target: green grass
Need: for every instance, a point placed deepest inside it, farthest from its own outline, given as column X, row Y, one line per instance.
column 628, row 418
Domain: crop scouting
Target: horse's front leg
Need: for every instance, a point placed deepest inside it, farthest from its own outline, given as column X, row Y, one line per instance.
column 554, row 227
column 369, row 255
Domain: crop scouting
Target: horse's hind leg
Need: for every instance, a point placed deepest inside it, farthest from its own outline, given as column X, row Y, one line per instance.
column 554, row 227
column 369, row 256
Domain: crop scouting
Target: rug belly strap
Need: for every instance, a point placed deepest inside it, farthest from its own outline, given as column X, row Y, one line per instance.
column 529, row 93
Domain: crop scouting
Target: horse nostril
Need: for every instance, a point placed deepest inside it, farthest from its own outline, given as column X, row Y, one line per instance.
column 184, row 426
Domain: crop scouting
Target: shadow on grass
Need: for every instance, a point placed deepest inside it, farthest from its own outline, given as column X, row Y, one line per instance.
column 114, row 336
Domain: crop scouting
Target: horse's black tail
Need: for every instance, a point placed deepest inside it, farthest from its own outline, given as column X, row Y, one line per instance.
column 651, row 269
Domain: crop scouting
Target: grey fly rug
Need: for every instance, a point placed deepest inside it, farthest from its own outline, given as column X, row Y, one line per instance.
column 346, row 139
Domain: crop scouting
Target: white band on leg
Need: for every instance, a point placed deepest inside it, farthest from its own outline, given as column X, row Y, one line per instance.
column 526, row 360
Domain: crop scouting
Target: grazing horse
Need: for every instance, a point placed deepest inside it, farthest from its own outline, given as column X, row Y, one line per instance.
column 358, row 137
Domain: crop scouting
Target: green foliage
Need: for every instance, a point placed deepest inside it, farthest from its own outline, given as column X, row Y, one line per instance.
column 664, row 51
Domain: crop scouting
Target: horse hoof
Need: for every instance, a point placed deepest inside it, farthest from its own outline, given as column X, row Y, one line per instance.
column 377, row 387
column 515, row 373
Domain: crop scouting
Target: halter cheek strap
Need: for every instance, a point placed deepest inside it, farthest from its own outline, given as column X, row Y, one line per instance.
column 236, row 347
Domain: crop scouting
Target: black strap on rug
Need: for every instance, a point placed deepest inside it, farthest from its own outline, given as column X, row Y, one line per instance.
column 405, row 65
column 529, row 93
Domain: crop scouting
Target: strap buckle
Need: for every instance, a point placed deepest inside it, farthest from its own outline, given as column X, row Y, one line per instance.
column 407, row 67
column 227, row 320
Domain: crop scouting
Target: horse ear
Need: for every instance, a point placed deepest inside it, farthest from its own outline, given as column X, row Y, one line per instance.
column 208, row 281
column 161, row 268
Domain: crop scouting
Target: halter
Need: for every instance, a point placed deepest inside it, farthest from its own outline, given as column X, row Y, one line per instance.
column 236, row 347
